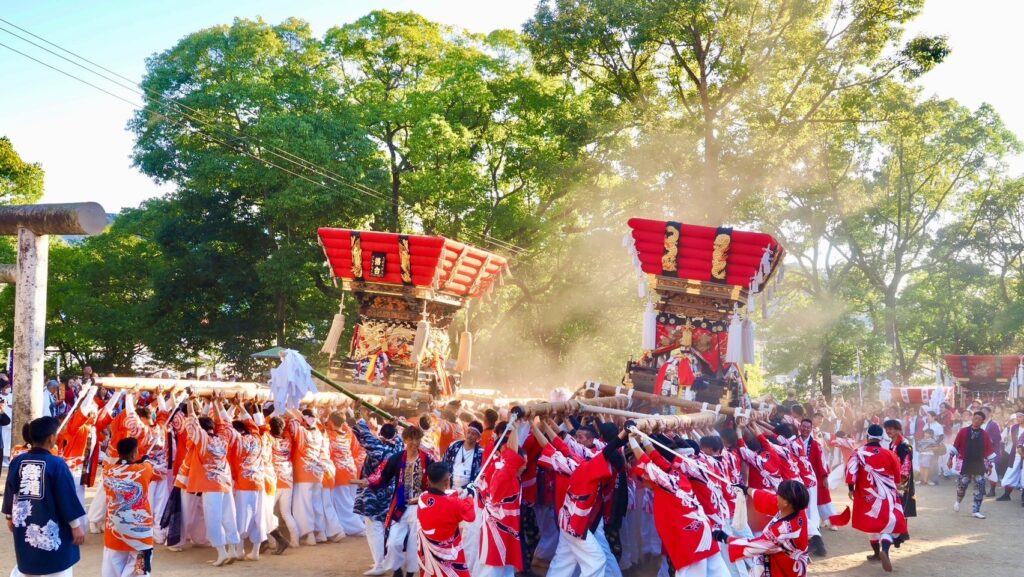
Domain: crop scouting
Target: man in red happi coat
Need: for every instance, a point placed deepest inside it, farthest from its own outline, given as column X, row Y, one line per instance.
column 873, row 476
column 793, row 450
column 439, row 514
column 820, row 508
column 580, row 514
column 781, row 548
column 501, row 554
column 685, row 529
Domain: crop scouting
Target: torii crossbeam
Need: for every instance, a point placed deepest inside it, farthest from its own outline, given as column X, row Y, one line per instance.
column 33, row 223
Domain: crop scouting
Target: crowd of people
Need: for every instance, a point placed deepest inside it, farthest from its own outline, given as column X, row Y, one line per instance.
column 458, row 493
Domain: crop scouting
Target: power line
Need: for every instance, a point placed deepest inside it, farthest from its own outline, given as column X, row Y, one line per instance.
column 167, row 118
column 282, row 154
column 156, row 96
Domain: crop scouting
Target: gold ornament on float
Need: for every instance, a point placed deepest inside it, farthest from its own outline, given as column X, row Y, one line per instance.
column 719, row 256
column 357, row 257
column 668, row 260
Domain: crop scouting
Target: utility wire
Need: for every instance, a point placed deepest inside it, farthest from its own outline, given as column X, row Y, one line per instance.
column 282, row 154
column 167, row 118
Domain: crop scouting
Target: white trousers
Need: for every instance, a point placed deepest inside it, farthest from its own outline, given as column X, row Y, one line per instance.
column 813, row 517
column 611, row 564
column 739, row 568
column 97, row 512
column 709, row 567
column 471, row 540
column 284, row 500
column 547, row 524
column 649, row 535
column 628, row 534
column 375, row 539
column 159, row 494
column 402, row 544
column 118, row 563
column 269, row 518
column 489, row 571
column 80, row 491
column 193, row 524
column 249, row 516
column 1012, row 477
column 344, row 497
column 304, row 497
column 219, row 514
column 573, row 552
column 332, row 523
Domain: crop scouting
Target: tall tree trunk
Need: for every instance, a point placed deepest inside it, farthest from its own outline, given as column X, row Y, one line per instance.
column 281, row 320
column 826, row 369
column 396, row 183
column 890, row 330
column 394, row 222
column 710, row 172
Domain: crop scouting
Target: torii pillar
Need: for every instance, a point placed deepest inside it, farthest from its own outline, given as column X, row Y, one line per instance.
column 33, row 223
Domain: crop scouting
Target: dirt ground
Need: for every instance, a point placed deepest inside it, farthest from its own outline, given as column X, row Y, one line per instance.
column 943, row 543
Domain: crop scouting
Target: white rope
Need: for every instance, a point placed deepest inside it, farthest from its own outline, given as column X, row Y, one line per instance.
column 508, row 427
column 696, row 463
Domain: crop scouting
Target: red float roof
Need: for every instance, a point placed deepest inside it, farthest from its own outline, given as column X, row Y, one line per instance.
column 982, row 368
column 436, row 262
column 745, row 257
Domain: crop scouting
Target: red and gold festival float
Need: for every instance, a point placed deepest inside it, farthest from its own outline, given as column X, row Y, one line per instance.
column 701, row 283
column 991, row 378
column 408, row 289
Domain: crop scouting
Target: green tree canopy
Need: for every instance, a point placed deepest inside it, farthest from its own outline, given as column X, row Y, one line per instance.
column 20, row 181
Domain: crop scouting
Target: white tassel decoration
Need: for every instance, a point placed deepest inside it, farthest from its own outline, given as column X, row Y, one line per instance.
column 739, row 517
column 464, row 361
column 1020, row 380
column 334, row 334
column 734, row 347
column 748, row 340
column 650, row 328
column 419, row 344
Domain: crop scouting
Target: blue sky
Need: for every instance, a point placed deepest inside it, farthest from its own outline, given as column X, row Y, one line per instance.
column 79, row 136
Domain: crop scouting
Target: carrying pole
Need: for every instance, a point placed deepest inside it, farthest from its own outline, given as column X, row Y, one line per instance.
column 376, row 410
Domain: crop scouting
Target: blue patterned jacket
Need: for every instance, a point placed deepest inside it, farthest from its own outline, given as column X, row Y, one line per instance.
column 370, row 502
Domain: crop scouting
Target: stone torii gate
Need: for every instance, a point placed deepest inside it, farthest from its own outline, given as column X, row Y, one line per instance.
column 33, row 223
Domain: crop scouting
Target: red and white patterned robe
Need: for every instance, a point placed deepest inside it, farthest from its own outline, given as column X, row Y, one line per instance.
column 799, row 451
column 765, row 471
column 816, row 457
column 790, row 468
column 502, row 498
column 582, row 507
column 684, row 528
column 440, row 542
column 874, row 473
column 781, row 548
column 707, row 489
